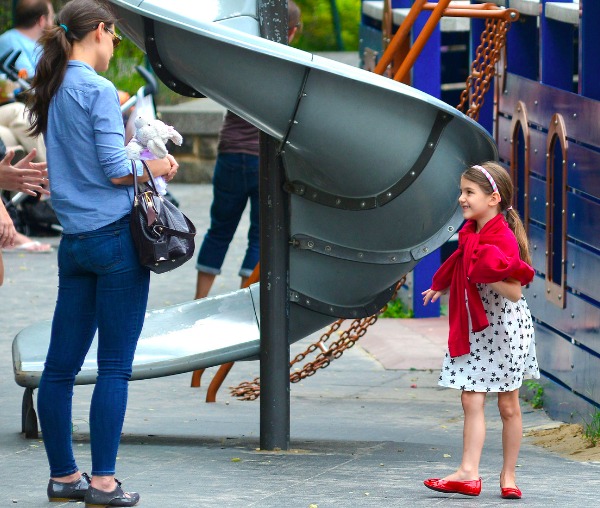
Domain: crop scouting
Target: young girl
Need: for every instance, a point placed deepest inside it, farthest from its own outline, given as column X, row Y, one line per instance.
column 491, row 345
column 101, row 284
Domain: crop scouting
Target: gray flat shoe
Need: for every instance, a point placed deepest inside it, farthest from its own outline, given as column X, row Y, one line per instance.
column 95, row 498
column 61, row 492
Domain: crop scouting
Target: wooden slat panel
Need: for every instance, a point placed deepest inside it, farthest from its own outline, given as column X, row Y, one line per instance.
column 503, row 138
column 580, row 113
column 537, row 246
column 582, row 264
column 579, row 319
column 537, row 143
column 583, row 268
column 537, row 199
column 582, row 220
column 573, row 366
column 583, row 171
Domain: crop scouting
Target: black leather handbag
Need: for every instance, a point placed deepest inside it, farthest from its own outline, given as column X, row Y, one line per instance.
column 162, row 234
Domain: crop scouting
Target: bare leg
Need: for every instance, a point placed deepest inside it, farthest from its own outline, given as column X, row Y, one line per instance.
column 203, row 284
column 512, row 432
column 473, row 437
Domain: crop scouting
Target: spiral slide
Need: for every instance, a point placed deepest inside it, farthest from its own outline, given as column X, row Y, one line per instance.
column 372, row 167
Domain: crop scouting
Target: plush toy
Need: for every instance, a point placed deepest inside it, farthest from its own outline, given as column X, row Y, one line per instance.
column 149, row 142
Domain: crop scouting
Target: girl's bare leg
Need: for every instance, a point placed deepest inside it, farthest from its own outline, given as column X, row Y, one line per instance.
column 512, row 432
column 473, row 437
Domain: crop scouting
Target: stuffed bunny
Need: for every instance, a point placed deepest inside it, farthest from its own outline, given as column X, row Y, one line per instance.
column 149, row 142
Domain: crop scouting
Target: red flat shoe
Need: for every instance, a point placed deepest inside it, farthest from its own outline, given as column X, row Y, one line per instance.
column 467, row 488
column 510, row 493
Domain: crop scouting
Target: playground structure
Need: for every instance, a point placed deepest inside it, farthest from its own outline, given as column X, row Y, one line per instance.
column 344, row 179
column 544, row 120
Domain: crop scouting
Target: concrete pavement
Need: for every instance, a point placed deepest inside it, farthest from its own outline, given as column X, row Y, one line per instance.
column 365, row 431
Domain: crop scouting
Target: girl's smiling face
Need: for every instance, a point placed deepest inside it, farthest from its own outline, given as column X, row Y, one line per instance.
column 476, row 204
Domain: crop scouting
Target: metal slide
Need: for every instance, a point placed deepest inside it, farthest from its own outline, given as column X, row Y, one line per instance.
column 372, row 167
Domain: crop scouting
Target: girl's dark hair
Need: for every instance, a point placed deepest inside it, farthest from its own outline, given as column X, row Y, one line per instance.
column 80, row 17
column 506, row 190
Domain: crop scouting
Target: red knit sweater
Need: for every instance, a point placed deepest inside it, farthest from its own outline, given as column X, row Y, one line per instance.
column 491, row 255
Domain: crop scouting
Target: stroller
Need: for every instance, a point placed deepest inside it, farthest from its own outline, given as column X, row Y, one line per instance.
column 33, row 216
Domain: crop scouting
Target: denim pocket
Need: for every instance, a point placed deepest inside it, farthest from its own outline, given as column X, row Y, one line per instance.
column 101, row 251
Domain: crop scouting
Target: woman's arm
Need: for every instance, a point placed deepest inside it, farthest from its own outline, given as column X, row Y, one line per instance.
column 167, row 168
column 508, row 288
column 7, row 228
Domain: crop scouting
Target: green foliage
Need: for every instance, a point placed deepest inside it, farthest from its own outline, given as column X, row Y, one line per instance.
column 318, row 32
column 397, row 309
column 122, row 67
column 591, row 428
column 535, row 393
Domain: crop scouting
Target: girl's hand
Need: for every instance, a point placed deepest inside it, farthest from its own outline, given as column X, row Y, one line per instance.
column 429, row 295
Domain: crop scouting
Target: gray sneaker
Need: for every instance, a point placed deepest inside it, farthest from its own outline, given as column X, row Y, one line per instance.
column 59, row 491
column 95, row 498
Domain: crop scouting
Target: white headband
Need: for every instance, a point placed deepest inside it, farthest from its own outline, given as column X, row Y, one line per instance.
column 488, row 176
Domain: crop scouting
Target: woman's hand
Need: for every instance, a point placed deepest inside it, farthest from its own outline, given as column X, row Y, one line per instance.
column 173, row 169
column 429, row 295
column 25, row 176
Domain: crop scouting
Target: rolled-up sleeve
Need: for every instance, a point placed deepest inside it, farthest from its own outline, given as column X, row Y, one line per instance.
column 109, row 132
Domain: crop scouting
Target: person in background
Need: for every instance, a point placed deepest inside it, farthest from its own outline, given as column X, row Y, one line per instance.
column 235, row 182
column 25, row 176
column 31, row 18
column 100, row 279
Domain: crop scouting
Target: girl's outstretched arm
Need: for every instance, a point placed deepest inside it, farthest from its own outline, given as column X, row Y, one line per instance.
column 431, row 295
column 508, row 288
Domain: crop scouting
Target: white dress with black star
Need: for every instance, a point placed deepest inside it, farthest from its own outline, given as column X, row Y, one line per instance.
column 502, row 355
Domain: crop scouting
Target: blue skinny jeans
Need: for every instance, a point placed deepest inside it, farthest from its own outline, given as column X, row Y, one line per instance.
column 235, row 182
column 101, row 286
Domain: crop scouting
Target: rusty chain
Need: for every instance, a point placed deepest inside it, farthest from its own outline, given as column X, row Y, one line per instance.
column 250, row 390
column 483, row 68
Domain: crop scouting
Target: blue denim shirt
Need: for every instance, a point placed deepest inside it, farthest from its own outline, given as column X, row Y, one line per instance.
column 85, row 149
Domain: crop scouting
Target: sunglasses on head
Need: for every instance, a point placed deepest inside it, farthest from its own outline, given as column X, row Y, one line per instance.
column 116, row 39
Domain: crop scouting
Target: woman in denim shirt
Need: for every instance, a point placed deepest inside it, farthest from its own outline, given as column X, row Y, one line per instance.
column 102, row 286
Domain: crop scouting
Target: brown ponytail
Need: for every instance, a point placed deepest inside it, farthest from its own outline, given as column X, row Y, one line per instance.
column 75, row 20
column 506, row 190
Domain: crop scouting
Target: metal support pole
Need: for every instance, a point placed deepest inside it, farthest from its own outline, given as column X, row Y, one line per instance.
column 274, row 268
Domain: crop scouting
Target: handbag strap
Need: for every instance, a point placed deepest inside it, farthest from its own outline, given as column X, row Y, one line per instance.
column 151, row 182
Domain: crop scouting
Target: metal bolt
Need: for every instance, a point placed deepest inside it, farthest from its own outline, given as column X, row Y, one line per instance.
column 338, row 201
column 393, row 258
column 450, row 229
column 310, row 244
column 425, row 250
column 328, row 248
column 360, row 255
